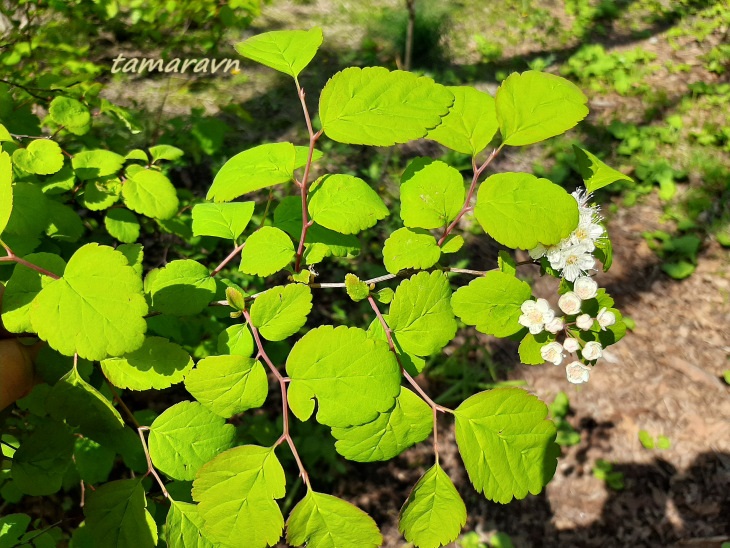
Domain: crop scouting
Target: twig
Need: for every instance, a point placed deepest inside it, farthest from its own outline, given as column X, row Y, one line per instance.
column 12, row 257
column 227, row 260
column 150, row 467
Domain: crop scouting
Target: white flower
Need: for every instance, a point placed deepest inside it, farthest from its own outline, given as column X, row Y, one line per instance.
column 606, row 318
column 537, row 251
column 584, row 322
column 571, row 345
column 552, row 352
column 569, row 303
column 592, row 351
column 586, row 233
column 581, row 196
column 556, row 325
column 577, row 373
column 575, row 261
column 585, row 287
column 535, row 314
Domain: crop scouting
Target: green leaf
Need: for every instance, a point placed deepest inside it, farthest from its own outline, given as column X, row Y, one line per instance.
column 134, row 254
column 165, row 152
column 78, row 403
column 42, row 157
column 288, row 51
column 117, row 517
column 186, row 436
column 22, row 288
column 356, row 289
column 184, row 527
column 506, row 263
column 413, row 364
column 646, row 439
column 237, row 340
column 302, row 155
column 222, row 220
column 94, row 462
column 420, row 314
column 507, row 445
column 12, row 527
column 534, row 106
column 431, row 197
column 71, row 114
column 151, row 194
column 604, row 252
column 29, row 215
column 345, row 204
column 79, row 314
column 158, row 364
column 492, row 303
column 408, row 422
column 182, row 288
column 64, row 223
column 60, row 182
column 267, row 251
column 452, row 244
column 530, row 348
column 6, row 190
column 374, row 106
column 324, row 521
column 236, row 492
column 434, row 513
column 93, row 164
column 471, row 123
column 5, row 136
column 281, row 311
column 100, row 195
column 594, row 172
column 41, row 460
column 406, row 248
column 354, row 378
column 253, row 169
column 122, row 224
column 520, row 211
column 228, row 385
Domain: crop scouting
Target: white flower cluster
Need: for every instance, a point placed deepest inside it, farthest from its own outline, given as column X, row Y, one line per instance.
column 574, row 254
column 537, row 316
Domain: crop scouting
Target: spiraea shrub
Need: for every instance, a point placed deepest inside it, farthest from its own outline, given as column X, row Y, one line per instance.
column 107, row 325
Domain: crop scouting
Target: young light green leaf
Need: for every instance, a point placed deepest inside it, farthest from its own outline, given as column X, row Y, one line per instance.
column 345, row 204
column 5, row 136
column 122, row 224
column 507, row 445
column 42, row 157
column 534, row 106
column 93, row 164
column 222, row 220
column 184, row 527
column 186, row 436
column 267, row 251
column 117, row 517
column 158, row 364
column 413, row 364
column 100, row 194
column 6, row 190
column 236, row 492
column 79, row 314
column 520, row 211
column 530, row 348
column 374, row 106
column 288, row 51
column 434, row 513
column 41, row 460
column 432, row 196
column 228, row 385
column 253, row 169
column 406, row 248
column 356, row 289
column 22, row 288
column 420, row 314
column 353, row 377
column 134, row 254
column 321, row 520
column 78, row 403
column 409, row 421
column 182, row 288
column 471, row 123
column 594, row 172
column 452, row 244
column 236, row 340
column 165, row 152
column 150, row 193
column 302, row 155
column 492, row 303
column 71, row 114
column 281, row 311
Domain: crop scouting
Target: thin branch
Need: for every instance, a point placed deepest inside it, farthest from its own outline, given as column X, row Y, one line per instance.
column 333, row 285
column 472, row 188
column 118, row 399
column 150, row 467
column 224, row 262
column 13, row 258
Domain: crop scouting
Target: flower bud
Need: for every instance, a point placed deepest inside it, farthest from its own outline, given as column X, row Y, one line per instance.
column 584, row 322
column 592, row 351
column 606, row 318
column 552, row 352
column 585, row 287
column 571, row 345
column 555, row 325
column 570, row 303
column 577, row 373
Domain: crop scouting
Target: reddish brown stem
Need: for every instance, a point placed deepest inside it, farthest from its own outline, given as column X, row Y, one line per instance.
column 13, row 258
column 472, row 188
column 227, row 260
column 150, row 467
column 285, row 436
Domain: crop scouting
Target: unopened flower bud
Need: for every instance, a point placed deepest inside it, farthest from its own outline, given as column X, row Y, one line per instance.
column 592, row 351
column 577, row 373
column 606, row 318
column 555, row 325
column 570, row 303
column 585, row 287
column 552, row 352
column 571, row 345
column 584, row 322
